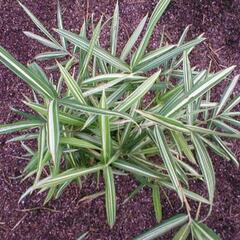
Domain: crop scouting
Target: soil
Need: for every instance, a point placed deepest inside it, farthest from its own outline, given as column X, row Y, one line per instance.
column 67, row 218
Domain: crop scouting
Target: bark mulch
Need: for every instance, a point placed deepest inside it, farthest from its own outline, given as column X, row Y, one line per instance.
column 67, row 218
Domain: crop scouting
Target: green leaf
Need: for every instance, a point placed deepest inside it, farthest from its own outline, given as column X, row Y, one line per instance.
column 68, row 175
column 34, row 67
column 138, row 93
column 110, row 196
column 163, row 228
column 108, row 85
column 111, row 77
column 165, row 153
column 39, row 24
column 155, row 54
column 157, row 13
column 72, row 85
column 19, row 126
column 183, row 146
column 168, row 123
column 42, row 40
column 205, row 231
column 199, row 89
column 24, row 137
column 232, row 104
column 97, row 51
column 82, row 237
column 188, row 84
column 41, row 150
column 76, row 142
column 63, row 117
column 135, row 169
column 26, row 75
column 114, row 30
column 227, row 94
column 60, row 24
column 50, row 55
column 157, row 202
column 228, row 151
column 53, row 129
column 105, row 132
column 90, row 51
column 133, row 39
column 156, row 62
column 183, row 232
column 206, row 165
column 97, row 111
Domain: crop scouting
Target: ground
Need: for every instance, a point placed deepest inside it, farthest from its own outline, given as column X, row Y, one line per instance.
column 67, row 218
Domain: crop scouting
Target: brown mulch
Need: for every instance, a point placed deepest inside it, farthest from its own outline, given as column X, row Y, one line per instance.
column 66, row 218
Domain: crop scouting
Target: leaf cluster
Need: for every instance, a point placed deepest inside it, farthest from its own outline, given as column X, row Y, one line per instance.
column 94, row 119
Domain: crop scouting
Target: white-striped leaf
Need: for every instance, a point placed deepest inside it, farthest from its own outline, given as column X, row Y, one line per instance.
column 73, row 87
column 79, row 143
column 227, row 94
column 97, row 111
column 206, row 165
column 53, row 130
column 97, row 51
column 205, row 231
column 19, row 126
column 110, row 196
column 138, row 93
column 157, row 13
column 26, row 75
column 157, row 202
column 163, row 228
column 132, row 40
column 63, row 117
column 38, row 24
column 60, row 24
column 165, row 153
column 105, row 132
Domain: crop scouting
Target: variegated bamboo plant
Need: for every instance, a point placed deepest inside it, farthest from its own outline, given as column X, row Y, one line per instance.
column 93, row 119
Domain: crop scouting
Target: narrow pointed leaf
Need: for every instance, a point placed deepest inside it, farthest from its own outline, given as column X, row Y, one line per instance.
column 205, row 231
column 76, row 142
column 157, row 202
column 183, row 233
column 90, row 50
column 26, row 75
column 198, row 90
column 73, row 87
column 38, row 24
column 138, row 93
column 163, row 228
column 155, row 63
column 227, row 94
column 50, row 55
column 19, row 126
column 97, row 51
column 133, row 39
column 157, row 13
column 41, row 150
column 169, row 123
column 53, row 129
column 63, row 117
column 164, row 151
column 94, row 110
column 60, row 24
column 134, row 169
column 114, row 30
column 205, row 165
column 110, row 196
column 105, row 132
column 42, row 40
